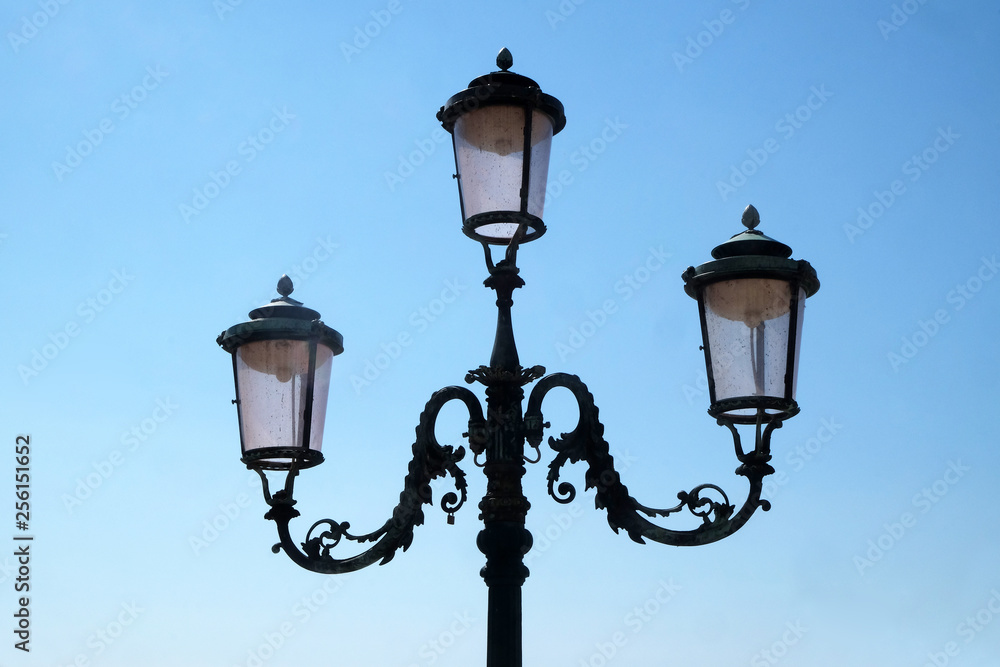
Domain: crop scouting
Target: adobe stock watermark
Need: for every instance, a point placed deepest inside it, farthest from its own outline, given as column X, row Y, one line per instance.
column 958, row 298
column 255, row 144
column 583, row 157
column 419, row 321
column 625, row 288
column 635, row 620
column 219, row 523
column 87, row 311
column 302, row 270
column 914, row 168
column 408, row 163
column 121, row 108
column 923, row 501
column 302, row 612
column 697, row 43
column 786, row 127
column 802, row 454
column 967, row 631
column 308, row 265
column 104, row 637
column 31, row 24
column 432, row 650
column 561, row 522
column 131, row 440
column 563, row 11
column 698, row 388
column 363, row 35
column 224, row 7
column 898, row 17
column 773, row 654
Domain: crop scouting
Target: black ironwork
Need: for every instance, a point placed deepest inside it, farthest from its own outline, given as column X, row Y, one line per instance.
column 498, row 438
column 586, row 443
column 430, row 461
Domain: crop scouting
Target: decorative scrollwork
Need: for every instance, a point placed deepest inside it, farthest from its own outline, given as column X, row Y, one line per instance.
column 495, row 376
column 586, row 442
column 319, row 547
column 430, row 461
column 707, row 509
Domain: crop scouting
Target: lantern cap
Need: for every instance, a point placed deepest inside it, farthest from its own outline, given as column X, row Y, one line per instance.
column 751, row 254
column 284, row 305
column 502, row 87
column 282, row 318
column 751, row 241
column 504, row 61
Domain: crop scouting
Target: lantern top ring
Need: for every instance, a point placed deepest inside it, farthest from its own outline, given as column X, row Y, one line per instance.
column 751, row 266
column 280, row 328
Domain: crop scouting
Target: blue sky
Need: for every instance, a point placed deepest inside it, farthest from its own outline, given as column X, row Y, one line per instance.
column 165, row 165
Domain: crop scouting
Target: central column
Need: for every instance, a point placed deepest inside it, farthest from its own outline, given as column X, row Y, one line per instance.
column 504, row 539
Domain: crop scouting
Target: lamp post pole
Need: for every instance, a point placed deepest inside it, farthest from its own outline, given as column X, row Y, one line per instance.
column 504, row 540
column 751, row 300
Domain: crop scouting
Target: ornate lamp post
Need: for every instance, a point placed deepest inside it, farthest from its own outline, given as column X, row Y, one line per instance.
column 750, row 299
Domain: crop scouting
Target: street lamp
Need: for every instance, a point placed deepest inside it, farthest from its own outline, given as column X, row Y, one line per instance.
column 751, row 300
column 281, row 364
column 502, row 126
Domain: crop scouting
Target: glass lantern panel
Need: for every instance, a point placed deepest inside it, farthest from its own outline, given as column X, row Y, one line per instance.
column 798, row 339
column 541, row 144
column 747, row 323
column 273, row 377
column 489, row 152
column 321, row 391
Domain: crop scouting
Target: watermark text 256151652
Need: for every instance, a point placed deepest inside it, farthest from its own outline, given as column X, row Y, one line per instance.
column 22, row 542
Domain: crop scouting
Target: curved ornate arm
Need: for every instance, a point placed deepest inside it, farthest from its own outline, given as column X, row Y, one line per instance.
column 430, row 460
column 586, row 442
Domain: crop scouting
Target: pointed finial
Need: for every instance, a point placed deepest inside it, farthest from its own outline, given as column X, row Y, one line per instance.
column 504, row 60
column 751, row 218
column 285, row 285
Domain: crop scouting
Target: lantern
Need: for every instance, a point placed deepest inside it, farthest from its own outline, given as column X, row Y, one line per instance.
column 502, row 128
column 751, row 300
column 281, row 364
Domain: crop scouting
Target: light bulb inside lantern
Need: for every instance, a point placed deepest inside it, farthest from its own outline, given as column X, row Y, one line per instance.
column 284, row 359
column 751, row 301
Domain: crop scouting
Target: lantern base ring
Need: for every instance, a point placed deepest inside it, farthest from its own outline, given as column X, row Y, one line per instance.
column 282, row 458
column 475, row 223
column 748, row 409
